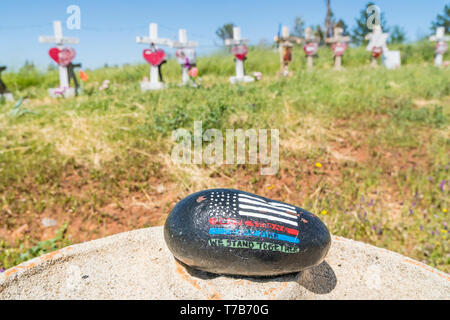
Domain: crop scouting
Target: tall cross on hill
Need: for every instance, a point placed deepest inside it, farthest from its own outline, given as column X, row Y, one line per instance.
column 185, row 53
column 239, row 50
column 154, row 56
column 286, row 43
column 339, row 45
column 441, row 45
column 377, row 43
column 311, row 46
column 60, row 41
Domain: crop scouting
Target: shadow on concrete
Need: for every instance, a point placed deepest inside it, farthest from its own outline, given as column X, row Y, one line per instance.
column 320, row 279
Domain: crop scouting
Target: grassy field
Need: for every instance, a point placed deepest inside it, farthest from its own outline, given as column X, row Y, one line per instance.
column 366, row 149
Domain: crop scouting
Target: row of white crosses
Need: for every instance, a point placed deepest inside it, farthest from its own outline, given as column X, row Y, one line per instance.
column 156, row 57
column 58, row 39
column 441, row 45
column 377, row 45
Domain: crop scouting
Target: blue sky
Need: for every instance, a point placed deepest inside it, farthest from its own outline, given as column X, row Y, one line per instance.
column 109, row 27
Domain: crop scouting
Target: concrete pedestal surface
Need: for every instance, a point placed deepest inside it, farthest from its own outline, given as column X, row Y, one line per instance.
column 138, row 265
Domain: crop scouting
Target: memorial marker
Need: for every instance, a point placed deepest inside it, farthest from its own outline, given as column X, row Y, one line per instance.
column 154, row 56
column 62, row 56
column 441, row 45
column 4, row 93
column 286, row 44
column 311, row 46
column 185, row 54
column 239, row 50
column 339, row 46
column 229, row 231
column 377, row 43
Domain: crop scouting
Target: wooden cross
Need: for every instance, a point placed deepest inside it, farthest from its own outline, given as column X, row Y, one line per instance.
column 310, row 41
column 340, row 44
column 186, row 51
column 59, row 40
column 155, row 72
column 235, row 42
column 441, row 45
column 286, row 43
column 377, row 41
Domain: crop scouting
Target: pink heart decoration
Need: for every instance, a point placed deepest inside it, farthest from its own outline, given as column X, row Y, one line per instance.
column 62, row 57
column 377, row 51
column 155, row 58
column 339, row 49
column 311, row 48
column 240, row 51
column 441, row 47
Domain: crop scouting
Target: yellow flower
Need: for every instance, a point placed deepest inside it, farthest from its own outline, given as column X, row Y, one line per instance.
column 444, row 210
column 270, row 187
column 324, row 212
column 318, row 165
column 443, row 231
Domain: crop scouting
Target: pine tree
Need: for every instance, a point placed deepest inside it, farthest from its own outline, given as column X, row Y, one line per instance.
column 397, row 35
column 442, row 20
column 225, row 31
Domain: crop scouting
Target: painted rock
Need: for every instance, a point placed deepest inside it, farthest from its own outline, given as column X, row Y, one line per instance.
column 228, row 231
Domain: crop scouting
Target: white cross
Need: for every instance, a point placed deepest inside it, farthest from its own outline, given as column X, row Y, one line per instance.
column 236, row 41
column 441, row 40
column 153, row 41
column 377, row 39
column 184, row 45
column 59, row 40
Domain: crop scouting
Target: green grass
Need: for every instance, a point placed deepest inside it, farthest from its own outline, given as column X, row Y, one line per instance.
column 382, row 137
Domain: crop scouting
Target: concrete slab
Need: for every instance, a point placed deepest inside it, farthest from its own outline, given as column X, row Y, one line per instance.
column 138, row 265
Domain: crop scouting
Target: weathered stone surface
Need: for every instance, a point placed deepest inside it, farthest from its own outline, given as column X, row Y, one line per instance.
column 228, row 231
column 138, row 265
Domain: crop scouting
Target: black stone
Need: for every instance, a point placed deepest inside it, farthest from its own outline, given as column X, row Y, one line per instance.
column 228, row 231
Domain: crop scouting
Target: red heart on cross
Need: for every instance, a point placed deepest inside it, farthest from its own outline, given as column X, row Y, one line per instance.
column 441, row 47
column 311, row 48
column 240, row 51
column 376, row 52
column 155, row 58
column 339, row 49
column 63, row 56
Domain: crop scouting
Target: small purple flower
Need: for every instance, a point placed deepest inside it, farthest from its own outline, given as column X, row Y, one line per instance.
column 413, row 204
column 2, row 270
column 441, row 185
column 446, row 168
column 371, row 203
column 362, row 199
column 430, row 179
column 421, row 227
column 374, row 228
column 411, row 211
